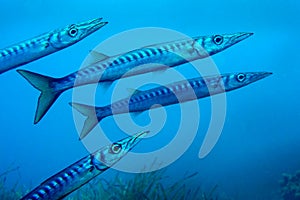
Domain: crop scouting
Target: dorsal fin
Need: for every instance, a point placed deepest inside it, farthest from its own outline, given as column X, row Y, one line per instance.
column 133, row 91
column 95, row 57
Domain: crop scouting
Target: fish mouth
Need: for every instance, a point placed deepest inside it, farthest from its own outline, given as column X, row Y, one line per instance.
column 142, row 134
column 262, row 75
column 259, row 75
column 136, row 139
column 235, row 38
column 92, row 25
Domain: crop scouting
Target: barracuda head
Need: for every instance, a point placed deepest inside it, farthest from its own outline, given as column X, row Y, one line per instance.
column 75, row 32
column 234, row 81
column 210, row 45
column 111, row 154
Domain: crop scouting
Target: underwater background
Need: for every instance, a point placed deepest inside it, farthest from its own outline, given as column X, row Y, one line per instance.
column 261, row 136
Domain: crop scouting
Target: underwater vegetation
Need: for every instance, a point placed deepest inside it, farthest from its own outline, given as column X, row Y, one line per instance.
column 290, row 186
column 153, row 185
column 13, row 192
column 84, row 170
column 150, row 185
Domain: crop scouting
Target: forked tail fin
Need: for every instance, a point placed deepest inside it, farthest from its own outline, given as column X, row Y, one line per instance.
column 48, row 94
column 92, row 118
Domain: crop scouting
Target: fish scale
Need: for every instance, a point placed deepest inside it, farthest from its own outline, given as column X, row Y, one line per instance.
column 109, row 69
column 113, row 68
column 174, row 93
column 57, row 184
column 82, row 171
column 45, row 44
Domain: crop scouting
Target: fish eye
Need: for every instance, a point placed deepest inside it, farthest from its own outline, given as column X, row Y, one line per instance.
column 73, row 32
column 115, row 148
column 218, row 39
column 241, row 77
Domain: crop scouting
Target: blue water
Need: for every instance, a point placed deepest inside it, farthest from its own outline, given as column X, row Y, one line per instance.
column 261, row 135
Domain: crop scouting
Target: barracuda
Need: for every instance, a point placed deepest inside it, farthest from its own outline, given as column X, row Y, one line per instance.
column 45, row 44
column 84, row 170
column 108, row 69
column 177, row 92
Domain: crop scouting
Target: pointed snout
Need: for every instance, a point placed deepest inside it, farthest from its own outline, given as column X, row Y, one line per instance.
column 92, row 25
column 137, row 137
column 96, row 24
column 261, row 75
column 134, row 140
column 258, row 76
column 237, row 37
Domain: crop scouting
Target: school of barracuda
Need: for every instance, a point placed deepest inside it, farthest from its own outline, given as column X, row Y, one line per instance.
column 108, row 69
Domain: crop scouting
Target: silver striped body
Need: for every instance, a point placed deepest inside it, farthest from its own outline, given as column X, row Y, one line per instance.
column 45, row 44
column 181, row 91
column 67, row 180
column 84, row 170
column 25, row 52
column 148, row 59
column 177, row 92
